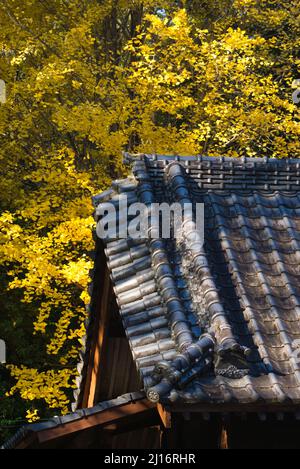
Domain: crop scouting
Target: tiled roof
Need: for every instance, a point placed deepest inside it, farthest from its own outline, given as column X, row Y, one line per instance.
column 82, row 414
column 221, row 323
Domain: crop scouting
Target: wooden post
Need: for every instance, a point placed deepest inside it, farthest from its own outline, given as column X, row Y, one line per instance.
column 165, row 416
column 224, row 438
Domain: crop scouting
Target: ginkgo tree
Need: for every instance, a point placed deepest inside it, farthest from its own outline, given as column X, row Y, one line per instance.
column 85, row 80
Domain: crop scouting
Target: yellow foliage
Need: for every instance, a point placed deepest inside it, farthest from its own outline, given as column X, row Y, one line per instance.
column 86, row 81
column 33, row 385
column 32, row 415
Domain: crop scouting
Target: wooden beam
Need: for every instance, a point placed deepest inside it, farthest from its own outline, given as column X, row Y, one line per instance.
column 224, row 438
column 103, row 418
column 100, row 343
column 100, row 310
column 95, row 305
column 166, row 417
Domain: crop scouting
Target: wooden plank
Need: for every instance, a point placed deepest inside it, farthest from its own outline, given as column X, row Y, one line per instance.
column 95, row 305
column 100, row 343
column 166, row 417
column 224, row 438
column 104, row 418
column 99, row 305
